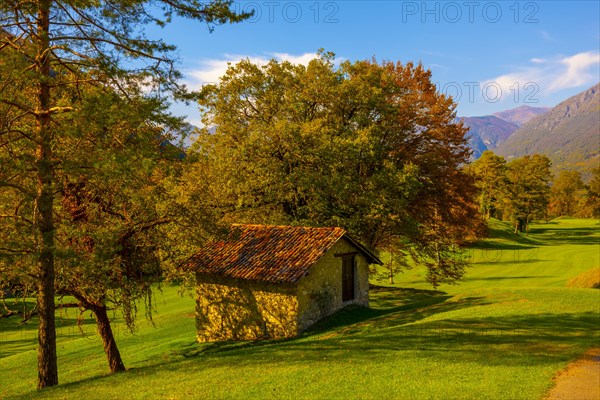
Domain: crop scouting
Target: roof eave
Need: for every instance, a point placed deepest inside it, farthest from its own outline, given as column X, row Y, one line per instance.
column 373, row 259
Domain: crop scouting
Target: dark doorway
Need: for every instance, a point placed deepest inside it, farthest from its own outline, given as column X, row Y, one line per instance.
column 348, row 278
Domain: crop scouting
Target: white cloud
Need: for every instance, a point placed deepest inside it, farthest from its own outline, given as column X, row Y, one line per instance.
column 551, row 75
column 581, row 69
column 210, row 71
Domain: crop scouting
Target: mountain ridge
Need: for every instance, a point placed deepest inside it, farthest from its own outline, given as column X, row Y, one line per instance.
column 487, row 132
column 569, row 134
column 521, row 115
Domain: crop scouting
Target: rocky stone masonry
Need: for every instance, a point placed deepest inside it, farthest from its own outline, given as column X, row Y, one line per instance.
column 235, row 309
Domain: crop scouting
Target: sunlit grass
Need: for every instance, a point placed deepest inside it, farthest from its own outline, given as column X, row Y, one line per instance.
column 551, row 255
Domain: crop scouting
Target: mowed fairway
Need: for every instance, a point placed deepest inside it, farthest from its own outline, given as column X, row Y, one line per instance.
column 502, row 334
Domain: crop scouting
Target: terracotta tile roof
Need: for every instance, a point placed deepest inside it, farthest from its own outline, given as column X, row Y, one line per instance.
column 277, row 254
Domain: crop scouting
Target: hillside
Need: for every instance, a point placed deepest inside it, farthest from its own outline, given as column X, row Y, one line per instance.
column 569, row 134
column 487, row 132
column 490, row 131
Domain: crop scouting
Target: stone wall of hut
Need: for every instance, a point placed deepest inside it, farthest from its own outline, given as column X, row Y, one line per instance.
column 320, row 292
column 228, row 309
column 232, row 309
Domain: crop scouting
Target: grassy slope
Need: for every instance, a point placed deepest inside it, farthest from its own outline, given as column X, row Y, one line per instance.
column 553, row 253
column 501, row 334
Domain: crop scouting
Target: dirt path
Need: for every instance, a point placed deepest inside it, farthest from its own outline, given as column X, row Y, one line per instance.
column 580, row 380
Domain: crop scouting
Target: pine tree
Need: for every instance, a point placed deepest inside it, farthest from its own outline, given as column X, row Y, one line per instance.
column 50, row 45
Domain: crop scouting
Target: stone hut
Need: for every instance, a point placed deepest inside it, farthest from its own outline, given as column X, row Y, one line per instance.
column 275, row 281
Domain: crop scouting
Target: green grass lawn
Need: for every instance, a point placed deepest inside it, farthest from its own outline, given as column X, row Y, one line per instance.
column 501, row 334
column 553, row 253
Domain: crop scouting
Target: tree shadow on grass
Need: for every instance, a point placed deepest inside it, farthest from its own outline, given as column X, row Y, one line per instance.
column 544, row 235
column 503, row 278
column 568, row 235
column 398, row 325
column 491, row 245
column 65, row 317
column 509, row 262
column 536, row 339
column 11, row 347
column 510, row 236
column 17, row 336
column 391, row 307
column 394, row 330
column 385, row 301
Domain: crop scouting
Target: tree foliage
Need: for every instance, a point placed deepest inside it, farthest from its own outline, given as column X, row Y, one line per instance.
column 114, row 161
column 366, row 146
column 528, row 189
column 522, row 189
column 490, row 179
column 111, row 213
column 592, row 200
column 566, row 194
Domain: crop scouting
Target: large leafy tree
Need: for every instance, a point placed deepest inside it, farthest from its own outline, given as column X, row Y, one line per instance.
column 528, row 189
column 566, row 193
column 592, row 201
column 48, row 46
column 367, row 146
column 489, row 171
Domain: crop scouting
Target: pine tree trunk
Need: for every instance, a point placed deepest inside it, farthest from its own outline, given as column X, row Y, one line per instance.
column 47, row 363
column 108, row 340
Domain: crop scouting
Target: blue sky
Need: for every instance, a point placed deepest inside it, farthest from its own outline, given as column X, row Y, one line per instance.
column 489, row 55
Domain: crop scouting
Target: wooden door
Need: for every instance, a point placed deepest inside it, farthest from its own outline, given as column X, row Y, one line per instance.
column 348, row 278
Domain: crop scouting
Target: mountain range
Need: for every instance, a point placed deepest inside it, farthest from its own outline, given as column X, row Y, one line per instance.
column 569, row 134
column 490, row 131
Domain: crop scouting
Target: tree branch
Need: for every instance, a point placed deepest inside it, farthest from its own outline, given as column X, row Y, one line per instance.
column 7, row 250
column 18, row 187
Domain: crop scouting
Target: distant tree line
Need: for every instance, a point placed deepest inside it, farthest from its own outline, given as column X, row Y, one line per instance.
column 524, row 189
